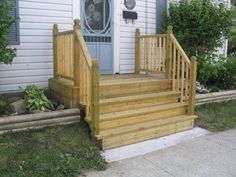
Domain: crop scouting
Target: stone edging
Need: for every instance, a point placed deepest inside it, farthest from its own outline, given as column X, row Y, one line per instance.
column 215, row 97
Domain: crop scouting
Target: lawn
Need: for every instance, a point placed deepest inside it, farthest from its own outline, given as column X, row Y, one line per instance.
column 217, row 116
column 63, row 151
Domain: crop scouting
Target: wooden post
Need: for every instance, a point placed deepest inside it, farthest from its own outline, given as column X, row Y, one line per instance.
column 55, row 67
column 137, row 51
column 168, row 53
column 95, row 96
column 76, row 55
column 192, row 90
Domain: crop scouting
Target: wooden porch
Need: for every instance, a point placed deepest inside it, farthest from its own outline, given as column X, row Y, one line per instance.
column 157, row 100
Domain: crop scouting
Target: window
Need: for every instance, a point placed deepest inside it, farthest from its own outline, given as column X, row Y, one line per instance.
column 14, row 36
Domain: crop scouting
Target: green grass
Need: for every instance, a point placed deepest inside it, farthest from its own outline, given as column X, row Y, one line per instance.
column 217, row 116
column 64, row 151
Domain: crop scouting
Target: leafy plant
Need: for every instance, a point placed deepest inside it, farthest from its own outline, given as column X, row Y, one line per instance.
column 225, row 76
column 232, row 42
column 36, row 100
column 6, row 54
column 199, row 26
column 3, row 106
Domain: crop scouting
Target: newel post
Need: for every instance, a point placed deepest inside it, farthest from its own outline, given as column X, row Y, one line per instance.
column 76, row 54
column 137, row 51
column 169, row 52
column 95, row 96
column 55, row 64
column 192, row 90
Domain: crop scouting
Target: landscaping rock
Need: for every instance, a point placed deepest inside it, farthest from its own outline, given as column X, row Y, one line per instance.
column 18, row 107
column 55, row 102
column 201, row 88
column 60, row 107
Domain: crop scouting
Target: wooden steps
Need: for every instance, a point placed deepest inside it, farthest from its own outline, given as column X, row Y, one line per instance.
column 135, row 108
column 109, row 88
column 108, row 105
column 146, row 134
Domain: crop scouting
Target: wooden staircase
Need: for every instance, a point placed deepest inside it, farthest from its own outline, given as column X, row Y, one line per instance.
column 157, row 100
column 135, row 108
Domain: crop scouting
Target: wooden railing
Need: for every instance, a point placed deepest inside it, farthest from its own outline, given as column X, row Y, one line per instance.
column 163, row 53
column 151, row 52
column 72, row 61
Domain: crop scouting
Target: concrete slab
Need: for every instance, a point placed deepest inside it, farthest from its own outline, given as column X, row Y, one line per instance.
column 145, row 147
column 134, row 167
column 213, row 155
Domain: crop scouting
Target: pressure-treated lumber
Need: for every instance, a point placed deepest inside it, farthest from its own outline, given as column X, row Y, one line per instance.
column 95, row 97
column 192, row 93
column 137, row 51
column 122, row 103
column 146, row 125
column 155, row 101
column 134, row 137
column 114, row 89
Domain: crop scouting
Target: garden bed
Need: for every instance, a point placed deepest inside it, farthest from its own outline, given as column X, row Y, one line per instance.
column 33, row 109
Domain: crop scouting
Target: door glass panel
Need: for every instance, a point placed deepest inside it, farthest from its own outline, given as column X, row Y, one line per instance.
column 97, row 14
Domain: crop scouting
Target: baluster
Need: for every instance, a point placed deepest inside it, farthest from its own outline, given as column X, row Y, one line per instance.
column 137, row 51
column 178, row 71
column 182, row 81
column 55, row 54
column 174, row 68
column 187, row 83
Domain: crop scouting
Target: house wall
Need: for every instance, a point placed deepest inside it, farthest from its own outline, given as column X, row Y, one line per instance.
column 146, row 10
column 33, row 64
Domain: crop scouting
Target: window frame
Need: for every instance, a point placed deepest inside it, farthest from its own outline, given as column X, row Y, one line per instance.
column 17, row 25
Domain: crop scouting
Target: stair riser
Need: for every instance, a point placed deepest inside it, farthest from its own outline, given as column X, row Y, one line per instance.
column 144, row 126
column 133, row 88
column 142, row 118
column 129, row 105
column 134, row 137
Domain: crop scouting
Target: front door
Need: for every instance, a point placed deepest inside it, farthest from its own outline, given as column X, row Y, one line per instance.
column 97, row 28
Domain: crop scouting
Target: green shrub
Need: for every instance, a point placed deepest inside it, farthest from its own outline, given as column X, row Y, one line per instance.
column 6, row 54
column 225, row 76
column 232, row 42
column 36, row 100
column 199, row 26
column 3, row 107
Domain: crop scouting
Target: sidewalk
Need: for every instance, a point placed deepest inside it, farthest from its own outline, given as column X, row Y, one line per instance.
column 213, row 155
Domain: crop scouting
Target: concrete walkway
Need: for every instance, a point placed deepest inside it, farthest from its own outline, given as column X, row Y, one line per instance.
column 213, row 155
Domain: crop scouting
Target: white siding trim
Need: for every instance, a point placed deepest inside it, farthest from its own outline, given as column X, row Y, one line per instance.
column 76, row 9
column 116, row 37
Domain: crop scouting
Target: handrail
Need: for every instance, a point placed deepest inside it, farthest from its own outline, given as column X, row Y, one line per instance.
column 163, row 53
column 179, row 48
column 80, row 38
column 150, row 53
column 73, row 61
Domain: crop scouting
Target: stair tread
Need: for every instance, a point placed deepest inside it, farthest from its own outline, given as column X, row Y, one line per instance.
column 136, row 97
column 138, row 111
column 143, row 126
column 132, row 81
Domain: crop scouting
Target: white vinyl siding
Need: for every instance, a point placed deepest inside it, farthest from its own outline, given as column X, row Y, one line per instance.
column 146, row 22
column 33, row 64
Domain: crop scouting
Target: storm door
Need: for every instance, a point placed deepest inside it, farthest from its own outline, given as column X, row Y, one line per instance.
column 97, row 28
